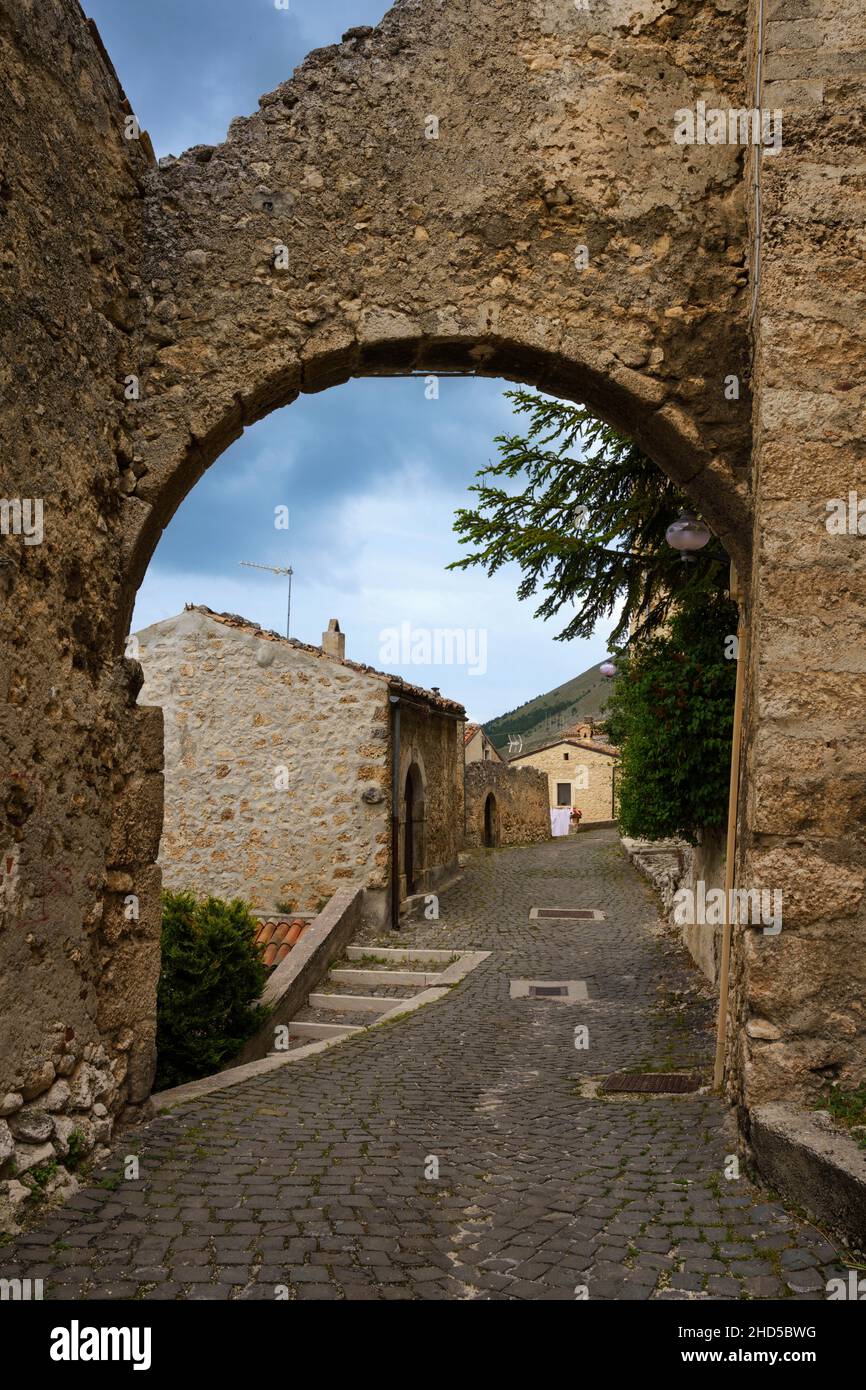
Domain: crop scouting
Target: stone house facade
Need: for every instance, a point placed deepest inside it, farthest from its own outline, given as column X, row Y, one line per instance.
column 477, row 747
column 580, row 775
column 505, row 805
column 279, row 761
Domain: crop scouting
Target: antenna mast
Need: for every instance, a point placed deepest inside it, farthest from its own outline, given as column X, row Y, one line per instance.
column 275, row 569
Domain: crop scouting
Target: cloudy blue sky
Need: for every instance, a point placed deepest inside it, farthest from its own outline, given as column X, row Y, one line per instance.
column 371, row 471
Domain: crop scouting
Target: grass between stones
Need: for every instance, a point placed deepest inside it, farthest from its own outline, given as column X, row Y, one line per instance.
column 848, row 1109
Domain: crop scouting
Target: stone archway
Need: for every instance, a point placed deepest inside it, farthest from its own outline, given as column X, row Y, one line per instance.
column 326, row 240
column 329, row 237
column 475, row 185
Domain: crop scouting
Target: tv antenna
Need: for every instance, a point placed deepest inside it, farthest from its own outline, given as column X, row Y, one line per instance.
column 275, row 569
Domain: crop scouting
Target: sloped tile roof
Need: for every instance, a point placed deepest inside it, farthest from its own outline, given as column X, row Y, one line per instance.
column 397, row 684
column 606, row 748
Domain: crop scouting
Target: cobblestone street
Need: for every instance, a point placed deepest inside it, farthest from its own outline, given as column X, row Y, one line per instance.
column 310, row 1182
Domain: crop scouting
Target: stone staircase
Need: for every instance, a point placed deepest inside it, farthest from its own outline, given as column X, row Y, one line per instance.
column 373, row 984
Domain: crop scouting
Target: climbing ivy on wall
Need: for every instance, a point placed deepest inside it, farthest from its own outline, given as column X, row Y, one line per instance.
column 671, row 713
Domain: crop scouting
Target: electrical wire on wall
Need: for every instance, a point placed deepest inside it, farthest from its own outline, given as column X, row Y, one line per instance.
column 759, row 159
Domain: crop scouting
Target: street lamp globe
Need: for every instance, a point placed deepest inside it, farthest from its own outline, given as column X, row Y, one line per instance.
column 687, row 534
column 607, row 668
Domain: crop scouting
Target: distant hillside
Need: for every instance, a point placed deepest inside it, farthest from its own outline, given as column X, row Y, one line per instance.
column 541, row 719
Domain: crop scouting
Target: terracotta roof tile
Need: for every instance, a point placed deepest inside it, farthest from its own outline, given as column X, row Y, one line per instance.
column 276, row 935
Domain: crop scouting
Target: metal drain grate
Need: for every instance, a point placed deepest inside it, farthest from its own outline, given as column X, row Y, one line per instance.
column 567, row 914
column 563, row 991
column 653, row 1082
column 584, row 914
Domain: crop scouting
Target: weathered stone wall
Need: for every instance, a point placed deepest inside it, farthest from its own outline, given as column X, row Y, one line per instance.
column 801, row 1016
column 79, row 769
column 522, row 806
column 589, row 773
column 277, row 767
column 674, row 865
column 328, row 237
column 433, row 743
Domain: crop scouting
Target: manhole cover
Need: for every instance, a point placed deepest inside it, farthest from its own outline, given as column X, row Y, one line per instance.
column 567, row 914
column 566, row 991
column 657, row 1083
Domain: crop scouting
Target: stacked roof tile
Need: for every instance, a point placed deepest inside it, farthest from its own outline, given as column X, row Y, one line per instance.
column 277, row 935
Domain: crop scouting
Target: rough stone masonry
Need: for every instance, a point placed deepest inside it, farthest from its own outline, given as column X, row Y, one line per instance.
column 520, row 807
column 484, row 185
column 281, row 757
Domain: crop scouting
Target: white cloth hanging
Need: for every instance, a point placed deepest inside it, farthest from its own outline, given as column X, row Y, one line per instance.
column 560, row 820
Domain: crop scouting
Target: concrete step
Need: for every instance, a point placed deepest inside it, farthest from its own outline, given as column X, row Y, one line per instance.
column 310, row 1028
column 350, row 1003
column 418, row 979
column 400, row 953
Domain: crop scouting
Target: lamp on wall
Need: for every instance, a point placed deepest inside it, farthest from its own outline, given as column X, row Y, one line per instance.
column 687, row 534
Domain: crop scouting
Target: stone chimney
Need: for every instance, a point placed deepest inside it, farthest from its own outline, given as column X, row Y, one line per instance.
column 334, row 641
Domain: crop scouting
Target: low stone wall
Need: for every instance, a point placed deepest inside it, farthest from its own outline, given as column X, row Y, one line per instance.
column 305, row 967
column 672, row 865
column 815, row 1163
column 522, row 810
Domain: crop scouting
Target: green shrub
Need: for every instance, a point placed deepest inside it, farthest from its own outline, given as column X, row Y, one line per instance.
column 671, row 713
column 211, row 978
column 40, row 1176
column 76, row 1151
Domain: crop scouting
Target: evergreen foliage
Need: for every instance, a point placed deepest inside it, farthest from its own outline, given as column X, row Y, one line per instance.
column 587, row 532
column 671, row 713
column 211, row 977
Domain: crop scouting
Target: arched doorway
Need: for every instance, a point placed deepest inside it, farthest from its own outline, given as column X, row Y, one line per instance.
column 413, row 831
column 408, row 836
column 491, row 822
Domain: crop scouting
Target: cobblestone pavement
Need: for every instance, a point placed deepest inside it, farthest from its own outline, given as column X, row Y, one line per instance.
column 311, row 1180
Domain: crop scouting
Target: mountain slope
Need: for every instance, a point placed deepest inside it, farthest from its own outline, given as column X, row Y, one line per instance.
column 540, row 720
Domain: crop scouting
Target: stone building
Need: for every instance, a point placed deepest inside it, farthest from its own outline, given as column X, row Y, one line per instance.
column 477, row 747
column 278, row 767
column 580, row 775
column 587, row 731
column 505, row 805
